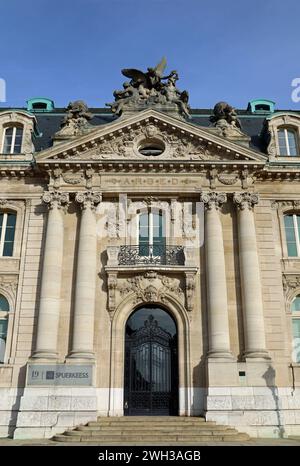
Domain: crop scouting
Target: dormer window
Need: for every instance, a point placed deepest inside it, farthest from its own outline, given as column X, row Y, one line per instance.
column 287, row 141
column 12, row 140
column 261, row 106
column 40, row 104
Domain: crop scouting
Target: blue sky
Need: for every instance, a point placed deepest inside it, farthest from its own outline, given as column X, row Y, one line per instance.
column 233, row 50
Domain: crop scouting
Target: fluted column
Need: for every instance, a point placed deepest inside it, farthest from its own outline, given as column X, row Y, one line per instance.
column 254, row 331
column 48, row 318
column 218, row 326
column 83, row 329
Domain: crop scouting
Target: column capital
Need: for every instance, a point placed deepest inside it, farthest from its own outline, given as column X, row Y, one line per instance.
column 55, row 199
column 245, row 200
column 88, row 199
column 213, row 199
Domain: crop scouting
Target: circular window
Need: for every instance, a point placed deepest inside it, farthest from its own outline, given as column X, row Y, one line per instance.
column 151, row 148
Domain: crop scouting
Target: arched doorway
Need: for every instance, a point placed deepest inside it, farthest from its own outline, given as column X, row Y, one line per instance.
column 151, row 363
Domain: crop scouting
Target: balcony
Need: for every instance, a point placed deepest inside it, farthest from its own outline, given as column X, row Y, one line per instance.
column 151, row 273
column 145, row 254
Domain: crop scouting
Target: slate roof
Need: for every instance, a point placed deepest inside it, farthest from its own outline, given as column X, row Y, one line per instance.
column 49, row 123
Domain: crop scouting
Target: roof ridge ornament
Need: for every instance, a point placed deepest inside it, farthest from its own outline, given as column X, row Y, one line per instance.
column 227, row 124
column 75, row 122
column 150, row 89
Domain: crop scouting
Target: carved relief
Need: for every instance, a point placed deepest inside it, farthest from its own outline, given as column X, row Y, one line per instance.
column 89, row 178
column 112, row 285
column 144, row 287
column 125, row 143
column 227, row 179
column 72, row 179
column 8, row 285
column 150, row 287
column 291, row 287
column 150, row 181
column 190, row 290
column 285, row 204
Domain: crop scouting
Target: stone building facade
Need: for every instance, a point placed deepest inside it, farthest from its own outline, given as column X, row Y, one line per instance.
column 115, row 228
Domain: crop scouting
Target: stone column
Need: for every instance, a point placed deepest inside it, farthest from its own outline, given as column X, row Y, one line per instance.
column 255, row 344
column 48, row 318
column 83, row 327
column 218, row 326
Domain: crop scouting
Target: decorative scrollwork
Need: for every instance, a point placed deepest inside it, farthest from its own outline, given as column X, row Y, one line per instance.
column 151, row 255
column 213, row 200
column 245, row 200
column 55, row 199
column 88, row 199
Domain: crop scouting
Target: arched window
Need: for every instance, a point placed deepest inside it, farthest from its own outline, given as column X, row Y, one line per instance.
column 287, row 140
column 7, row 233
column 12, row 142
column 151, row 236
column 4, row 310
column 295, row 309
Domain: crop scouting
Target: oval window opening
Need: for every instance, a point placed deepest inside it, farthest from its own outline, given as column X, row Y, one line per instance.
column 151, row 148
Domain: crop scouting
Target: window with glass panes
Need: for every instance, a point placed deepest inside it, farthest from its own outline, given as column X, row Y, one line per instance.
column 151, row 234
column 292, row 234
column 295, row 309
column 7, row 233
column 4, row 309
column 12, row 143
column 287, row 140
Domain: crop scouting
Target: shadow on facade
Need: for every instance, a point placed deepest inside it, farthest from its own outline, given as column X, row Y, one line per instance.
column 12, row 423
column 198, row 403
column 39, row 210
column 73, row 210
column 269, row 377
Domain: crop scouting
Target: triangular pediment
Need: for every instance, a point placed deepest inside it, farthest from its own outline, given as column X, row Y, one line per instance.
column 123, row 139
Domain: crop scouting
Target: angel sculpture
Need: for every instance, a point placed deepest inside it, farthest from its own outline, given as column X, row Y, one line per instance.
column 174, row 95
column 145, row 82
column 150, row 88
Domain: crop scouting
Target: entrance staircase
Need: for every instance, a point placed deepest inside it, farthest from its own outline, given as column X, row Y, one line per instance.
column 150, row 430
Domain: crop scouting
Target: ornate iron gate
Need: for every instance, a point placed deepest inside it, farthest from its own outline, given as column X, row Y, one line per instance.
column 151, row 371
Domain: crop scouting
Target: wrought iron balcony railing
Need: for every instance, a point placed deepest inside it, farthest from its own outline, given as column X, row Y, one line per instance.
column 145, row 254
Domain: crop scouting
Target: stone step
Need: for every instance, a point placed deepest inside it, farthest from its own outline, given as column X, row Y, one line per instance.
column 150, row 426
column 117, row 440
column 127, row 419
column 195, row 428
column 128, row 433
column 150, row 430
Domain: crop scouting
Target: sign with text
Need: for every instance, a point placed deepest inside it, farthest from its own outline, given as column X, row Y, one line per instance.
column 59, row 374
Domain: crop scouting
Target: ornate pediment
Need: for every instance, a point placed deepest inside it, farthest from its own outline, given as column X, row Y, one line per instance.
column 149, row 136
